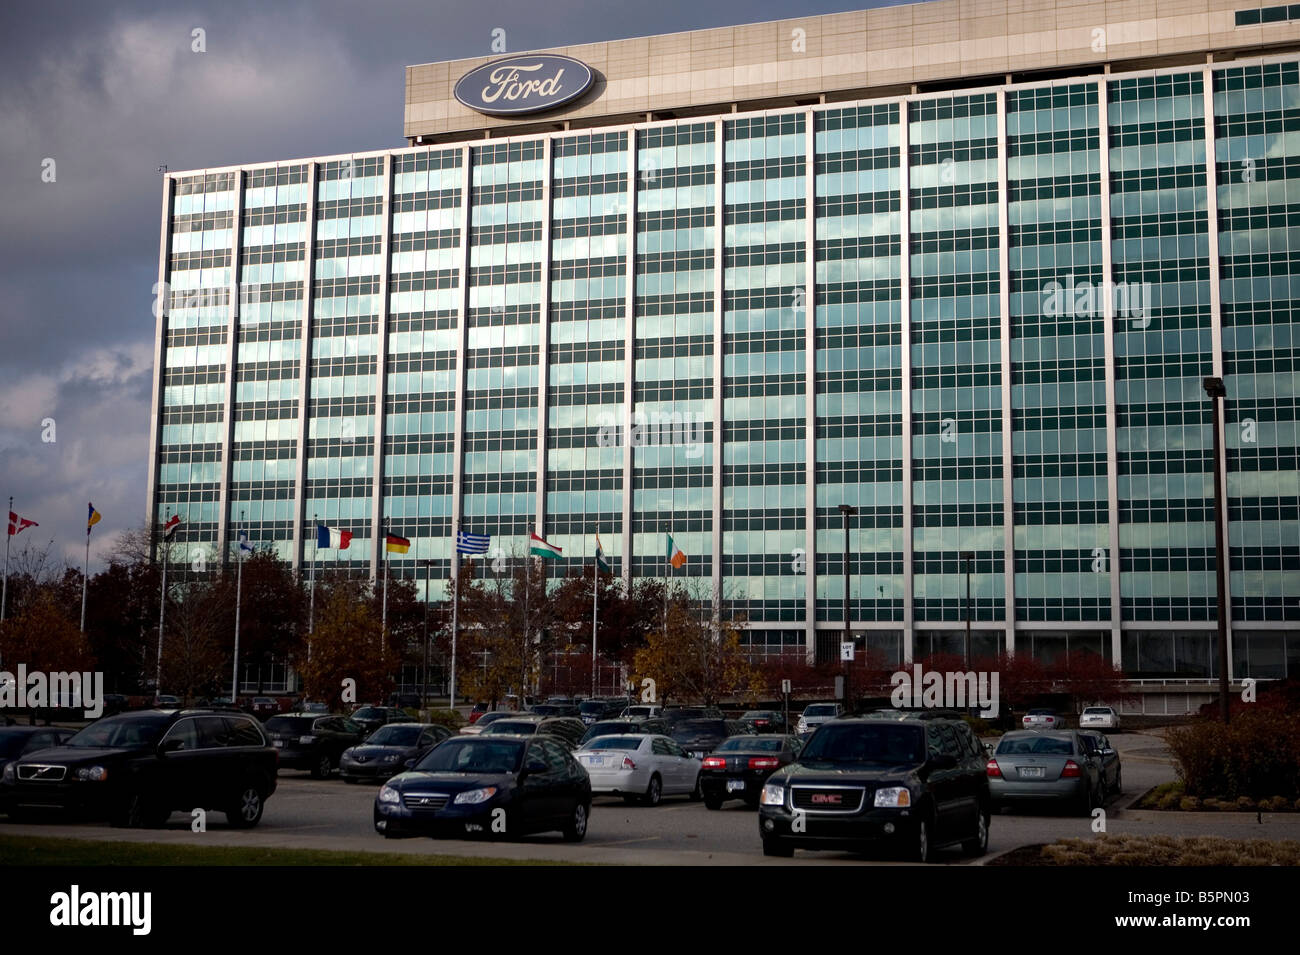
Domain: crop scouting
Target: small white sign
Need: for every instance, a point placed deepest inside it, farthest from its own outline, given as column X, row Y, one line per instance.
column 785, row 687
column 846, row 650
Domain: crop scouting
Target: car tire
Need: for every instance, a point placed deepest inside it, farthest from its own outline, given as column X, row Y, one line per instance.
column 654, row 792
column 323, row 767
column 777, row 848
column 1087, row 802
column 1119, row 781
column 711, row 803
column 923, row 847
column 698, row 792
column 246, row 809
column 575, row 830
column 980, row 844
column 130, row 812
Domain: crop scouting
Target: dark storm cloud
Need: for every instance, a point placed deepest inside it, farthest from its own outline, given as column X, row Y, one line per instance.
column 109, row 91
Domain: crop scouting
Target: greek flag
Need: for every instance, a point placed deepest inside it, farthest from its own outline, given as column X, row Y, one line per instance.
column 472, row 543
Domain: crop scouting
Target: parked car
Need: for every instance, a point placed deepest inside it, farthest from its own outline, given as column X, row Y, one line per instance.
column 1099, row 717
column 639, row 767
column 554, row 709
column 477, row 710
column 405, row 701
column 1101, row 749
column 699, row 737
column 1042, row 718
column 815, row 714
column 457, row 787
column 311, row 742
column 675, row 714
column 655, row 727
column 372, row 717
column 916, row 784
column 764, row 721
column 740, row 766
column 307, row 706
column 1044, row 767
column 567, row 729
column 18, row 741
column 264, row 707
column 115, row 703
column 387, row 750
column 486, row 720
column 167, row 701
column 138, row 768
column 599, row 708
column 642, row 710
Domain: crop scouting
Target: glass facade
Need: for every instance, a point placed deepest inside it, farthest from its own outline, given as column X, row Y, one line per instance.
column 981, row 318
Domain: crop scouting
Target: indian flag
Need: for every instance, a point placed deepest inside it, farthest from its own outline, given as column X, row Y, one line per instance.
column 540, row 548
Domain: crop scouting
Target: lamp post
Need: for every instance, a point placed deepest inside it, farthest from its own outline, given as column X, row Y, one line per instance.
column 968, row 556
column 1216, row 392
column 847, row 510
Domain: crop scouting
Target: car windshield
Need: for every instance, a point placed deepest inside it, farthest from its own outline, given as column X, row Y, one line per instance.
column 640, row 710
column 686, row 729
column 395, row 734
column 109, row 734
column 592, row 706
column 1035, row 746
column 614, row 742
column 823, row 709
column 750, row 744
column 1042, row 712
column 1097, row 710
column 757, row 715
column 290, row 724
column 888, row 743
column 473, row 755
column 507, row 727
column 368, row 713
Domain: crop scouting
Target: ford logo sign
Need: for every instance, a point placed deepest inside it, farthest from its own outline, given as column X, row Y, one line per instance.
column 524, row 84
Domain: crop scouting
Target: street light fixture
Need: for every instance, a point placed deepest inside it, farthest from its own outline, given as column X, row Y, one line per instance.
column 1215, row 390
column 968, row 556
column 848, row 510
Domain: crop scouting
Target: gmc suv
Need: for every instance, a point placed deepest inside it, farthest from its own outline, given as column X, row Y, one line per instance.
column 918, row 784
column 138, row 768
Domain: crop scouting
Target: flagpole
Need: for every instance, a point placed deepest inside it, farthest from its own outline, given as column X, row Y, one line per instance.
column 239, row 592
column 85, row 569
column 311, row 601
column 528, row 585
column 383, row 621
column 595, row 592
column 162, row 608
column 666, row 563
column 4, row 589
column 455, row 608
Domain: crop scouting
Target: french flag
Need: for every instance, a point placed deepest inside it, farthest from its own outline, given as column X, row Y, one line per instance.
column 329, row 537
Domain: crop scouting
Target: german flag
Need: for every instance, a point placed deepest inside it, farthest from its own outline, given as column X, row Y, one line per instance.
column 396, row 545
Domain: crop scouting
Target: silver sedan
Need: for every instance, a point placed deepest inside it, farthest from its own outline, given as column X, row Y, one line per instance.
column 1045, row 767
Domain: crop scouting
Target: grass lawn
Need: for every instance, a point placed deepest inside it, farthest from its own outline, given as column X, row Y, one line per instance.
column 31, row 850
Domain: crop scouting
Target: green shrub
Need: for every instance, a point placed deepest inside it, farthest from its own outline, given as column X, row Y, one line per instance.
column 1256, row 755
column 448, row 718
column 1189, row 804
column 1152, row 799
column 1245, row 804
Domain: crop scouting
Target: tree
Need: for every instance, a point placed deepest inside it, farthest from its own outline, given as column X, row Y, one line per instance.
column 345, row 647
column 490, row 651
column 1088, row 678
column 696, row 658
column 273, row 612
column 43, row 637
column 197, row 637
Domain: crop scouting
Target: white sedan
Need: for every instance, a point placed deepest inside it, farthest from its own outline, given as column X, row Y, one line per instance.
column 640, row 767
column 1099, row 717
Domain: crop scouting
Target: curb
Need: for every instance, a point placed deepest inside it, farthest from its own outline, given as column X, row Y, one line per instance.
column 1232, row 817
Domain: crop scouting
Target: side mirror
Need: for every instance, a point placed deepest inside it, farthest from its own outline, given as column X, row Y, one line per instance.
column 409, row 764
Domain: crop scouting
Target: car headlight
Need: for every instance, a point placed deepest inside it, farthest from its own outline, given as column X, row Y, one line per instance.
column 8, row 774
column 472, row 797
column 773, row 794
column 92, row 774
column 389, row 794
column 894, row 797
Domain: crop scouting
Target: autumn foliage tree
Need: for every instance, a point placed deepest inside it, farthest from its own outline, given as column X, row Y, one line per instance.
column 696, row 658
column 345, row 647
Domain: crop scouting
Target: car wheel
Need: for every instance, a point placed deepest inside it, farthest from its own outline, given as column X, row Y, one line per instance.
column 1119, row 782
column 980, row 844
column 323, row 767
column 711, row 803
column 576, row 829
column 775, row 847
column 129, row 813
column 1087, row 802
column 246, row 810
column 654, row 792
column 923, row 849
column 698, row 792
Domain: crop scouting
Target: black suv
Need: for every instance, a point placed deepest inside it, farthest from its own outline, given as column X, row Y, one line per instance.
column 918, row 784
column 138, row 768
column 313, row 742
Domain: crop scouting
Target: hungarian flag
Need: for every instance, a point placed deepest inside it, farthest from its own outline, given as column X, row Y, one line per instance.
column 329, row 537
column 19, row 524
column 169, row 529
column 539, row 548
column 396, row 545
column 602, row 562
column 676, row 556
column 93, row 517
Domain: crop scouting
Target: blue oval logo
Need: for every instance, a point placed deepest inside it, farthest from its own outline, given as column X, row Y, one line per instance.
column 524, row 84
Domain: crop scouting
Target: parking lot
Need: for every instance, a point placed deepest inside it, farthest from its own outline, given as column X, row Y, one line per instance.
column 306, row 813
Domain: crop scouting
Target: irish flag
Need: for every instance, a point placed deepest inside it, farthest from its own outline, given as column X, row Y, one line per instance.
column 539, row 548
column 676, row 556
column 329, row 537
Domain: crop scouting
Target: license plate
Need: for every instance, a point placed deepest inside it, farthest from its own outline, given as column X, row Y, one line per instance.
column 698, row 754
column 734, row 785
column 596, row 760
column 1031, row 772
column 279, row 744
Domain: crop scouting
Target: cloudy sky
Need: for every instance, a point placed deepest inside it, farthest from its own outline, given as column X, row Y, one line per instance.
column 107, row 92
